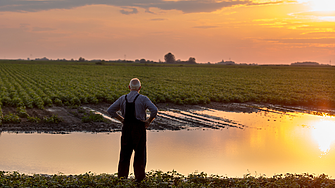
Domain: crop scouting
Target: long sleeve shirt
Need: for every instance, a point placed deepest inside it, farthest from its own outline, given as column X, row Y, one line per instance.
column 141, row 104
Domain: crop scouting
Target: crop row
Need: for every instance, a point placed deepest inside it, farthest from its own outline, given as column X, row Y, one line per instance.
column 163, row 179
column 40, row 85
column 21, row 112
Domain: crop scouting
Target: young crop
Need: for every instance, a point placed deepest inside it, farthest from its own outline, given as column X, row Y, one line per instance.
column 22, row 112
column 52, row 119
column 163, row 179
column 33, row 119
column 11, row 118
column 40, row 85
column 92, row 117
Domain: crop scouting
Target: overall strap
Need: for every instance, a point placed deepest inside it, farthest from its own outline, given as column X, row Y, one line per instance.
column 134, row 99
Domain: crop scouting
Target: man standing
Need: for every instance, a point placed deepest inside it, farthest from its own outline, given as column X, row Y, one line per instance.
column 133, row 108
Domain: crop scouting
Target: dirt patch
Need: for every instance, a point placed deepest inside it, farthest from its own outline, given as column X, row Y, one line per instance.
column 170, row 117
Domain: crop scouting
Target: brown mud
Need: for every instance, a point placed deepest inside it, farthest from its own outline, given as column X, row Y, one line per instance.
column 170, row 117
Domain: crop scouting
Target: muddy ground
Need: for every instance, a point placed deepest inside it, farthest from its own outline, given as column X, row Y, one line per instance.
column 170, row 117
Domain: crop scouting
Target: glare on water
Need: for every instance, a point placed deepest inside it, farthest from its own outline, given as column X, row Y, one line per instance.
column 323, row 132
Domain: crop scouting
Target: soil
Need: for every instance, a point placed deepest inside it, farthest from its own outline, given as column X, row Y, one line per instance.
column 71, row 117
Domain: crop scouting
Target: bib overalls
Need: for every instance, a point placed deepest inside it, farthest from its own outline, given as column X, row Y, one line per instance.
column 133, row 138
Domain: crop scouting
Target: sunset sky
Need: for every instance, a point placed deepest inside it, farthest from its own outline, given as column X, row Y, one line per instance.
column 245, row 31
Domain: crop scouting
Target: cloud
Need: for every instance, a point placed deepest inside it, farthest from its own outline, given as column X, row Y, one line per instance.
column 205, row 26
column 133, row 11
column 197, row 5
column 314, row 13
column 43, row 29
column 35, row 5
column 266, row 3
column 158, row 19
column 304, row 41
column 148, row 11
column 186, row 6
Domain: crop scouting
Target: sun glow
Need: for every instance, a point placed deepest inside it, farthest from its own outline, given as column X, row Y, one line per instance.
column 323, row 132
column 320, row 5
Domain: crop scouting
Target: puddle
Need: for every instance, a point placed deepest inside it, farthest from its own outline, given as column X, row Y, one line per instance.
column 264, row 141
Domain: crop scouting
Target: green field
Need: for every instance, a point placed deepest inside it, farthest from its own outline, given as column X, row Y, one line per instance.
column 164, row 179
column 39, row 84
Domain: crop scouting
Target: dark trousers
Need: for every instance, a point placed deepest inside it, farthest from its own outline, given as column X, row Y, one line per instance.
column 133, row 138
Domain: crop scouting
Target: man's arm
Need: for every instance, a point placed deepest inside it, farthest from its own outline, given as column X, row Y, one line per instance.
column 120, row 118
column 148, row 121
column 116, row 106
column 153, row 112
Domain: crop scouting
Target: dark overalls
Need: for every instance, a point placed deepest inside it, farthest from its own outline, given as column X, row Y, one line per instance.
column 133, row 138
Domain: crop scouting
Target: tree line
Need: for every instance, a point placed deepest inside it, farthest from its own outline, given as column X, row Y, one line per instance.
column 169, row 58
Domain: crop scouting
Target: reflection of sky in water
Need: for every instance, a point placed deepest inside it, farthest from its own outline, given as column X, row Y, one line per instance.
column 322, row 127
column 269, row 143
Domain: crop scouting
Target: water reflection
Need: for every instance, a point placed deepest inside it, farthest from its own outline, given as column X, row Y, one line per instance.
column 324, row 134
column 267, row 142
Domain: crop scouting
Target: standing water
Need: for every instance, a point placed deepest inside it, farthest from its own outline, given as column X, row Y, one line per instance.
column 264, row 142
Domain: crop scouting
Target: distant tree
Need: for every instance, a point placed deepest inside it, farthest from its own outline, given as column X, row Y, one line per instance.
column 81, row 59
column 102, row 62
column 169, row 58
column 143, row 61
column 305, row 63
column 191, row 60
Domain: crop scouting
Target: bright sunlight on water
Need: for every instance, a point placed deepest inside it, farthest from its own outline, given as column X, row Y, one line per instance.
column 323, row 132
column 267, row 142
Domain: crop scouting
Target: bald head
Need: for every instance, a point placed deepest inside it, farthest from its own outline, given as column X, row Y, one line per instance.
column 135, row 84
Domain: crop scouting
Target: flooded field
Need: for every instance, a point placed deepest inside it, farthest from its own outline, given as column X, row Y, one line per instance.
column 226, row 142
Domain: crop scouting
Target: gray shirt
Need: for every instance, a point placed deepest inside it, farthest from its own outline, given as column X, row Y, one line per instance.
column 141, row 104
